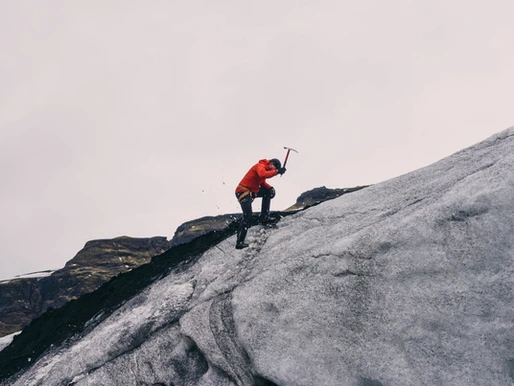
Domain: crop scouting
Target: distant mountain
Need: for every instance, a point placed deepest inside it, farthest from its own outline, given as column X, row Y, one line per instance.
column 27, row 297
column 406, row 282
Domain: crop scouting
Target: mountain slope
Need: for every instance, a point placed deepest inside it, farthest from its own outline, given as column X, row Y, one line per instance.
column 407, row 282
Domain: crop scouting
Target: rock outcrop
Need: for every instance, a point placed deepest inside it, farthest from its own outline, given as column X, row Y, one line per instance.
column 318, row 195
column 23, row 299
column 201, row 226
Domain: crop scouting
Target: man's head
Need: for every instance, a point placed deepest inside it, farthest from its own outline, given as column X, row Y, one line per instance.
column 275, row 162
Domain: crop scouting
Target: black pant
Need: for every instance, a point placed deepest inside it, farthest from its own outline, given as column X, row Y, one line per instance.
column 246, row 206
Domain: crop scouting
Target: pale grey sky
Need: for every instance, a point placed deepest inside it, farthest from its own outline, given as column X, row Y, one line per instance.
column 131, row 117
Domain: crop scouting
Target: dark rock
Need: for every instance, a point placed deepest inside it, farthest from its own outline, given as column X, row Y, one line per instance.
column 23, row 299
column 201, row 226
column 318, row 195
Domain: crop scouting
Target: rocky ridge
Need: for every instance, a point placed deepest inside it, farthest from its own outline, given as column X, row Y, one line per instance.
column 25, row 298
column 318, row 195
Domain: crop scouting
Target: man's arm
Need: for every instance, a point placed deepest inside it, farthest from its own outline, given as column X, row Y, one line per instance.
column 262, row 172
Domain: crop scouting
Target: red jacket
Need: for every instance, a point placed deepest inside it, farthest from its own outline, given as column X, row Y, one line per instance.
column 256, row 177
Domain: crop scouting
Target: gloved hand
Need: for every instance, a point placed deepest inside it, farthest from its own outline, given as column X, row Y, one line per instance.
column 281, row 170
column 272, row 192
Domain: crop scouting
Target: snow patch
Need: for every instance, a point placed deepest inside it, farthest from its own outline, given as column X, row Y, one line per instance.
column 7, row 340
column 31, row 275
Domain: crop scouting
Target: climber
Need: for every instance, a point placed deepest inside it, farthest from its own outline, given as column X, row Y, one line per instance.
column 254, row 185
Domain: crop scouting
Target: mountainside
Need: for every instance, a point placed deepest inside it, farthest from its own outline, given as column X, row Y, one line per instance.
column 407, row 282
column 25, row 298
column 28, row 296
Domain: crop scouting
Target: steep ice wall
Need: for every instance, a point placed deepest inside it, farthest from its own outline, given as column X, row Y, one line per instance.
column 408, row 282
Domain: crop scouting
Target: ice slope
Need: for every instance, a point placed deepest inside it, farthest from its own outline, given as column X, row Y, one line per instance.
column 408, row 282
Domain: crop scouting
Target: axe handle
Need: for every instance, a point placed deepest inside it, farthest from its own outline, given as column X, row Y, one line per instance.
column 287, row 156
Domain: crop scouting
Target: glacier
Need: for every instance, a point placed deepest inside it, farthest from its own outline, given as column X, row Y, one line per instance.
column 407, row 282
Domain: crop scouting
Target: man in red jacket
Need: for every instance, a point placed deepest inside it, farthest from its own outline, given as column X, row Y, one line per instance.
column 254, row 185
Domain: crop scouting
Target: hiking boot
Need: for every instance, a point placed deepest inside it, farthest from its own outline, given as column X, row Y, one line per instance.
column 266, row 221
column 241, row 245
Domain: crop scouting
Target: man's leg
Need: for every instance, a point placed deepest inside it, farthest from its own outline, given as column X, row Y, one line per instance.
column 267, row 195
column 246, row 220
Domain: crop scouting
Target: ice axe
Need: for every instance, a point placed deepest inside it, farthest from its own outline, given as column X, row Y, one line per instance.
column 287, row 155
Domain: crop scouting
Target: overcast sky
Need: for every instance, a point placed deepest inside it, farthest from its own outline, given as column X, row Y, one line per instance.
column 132, row 117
